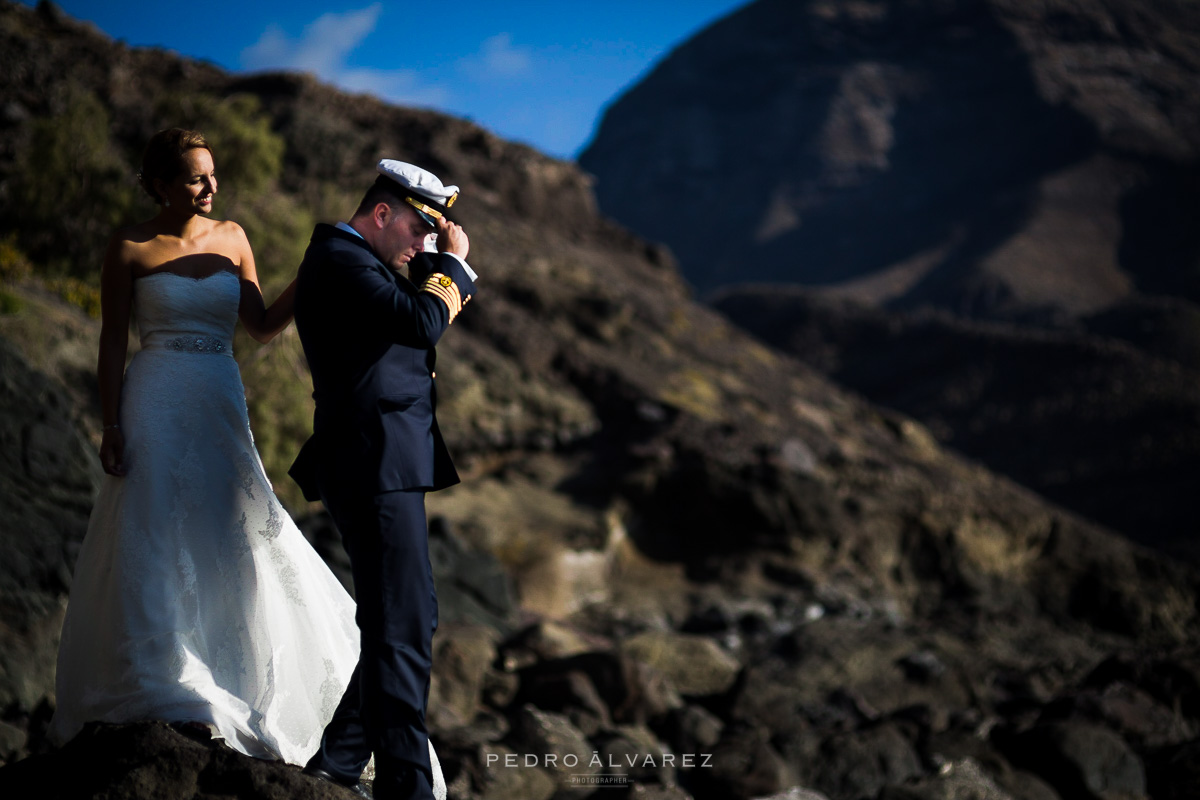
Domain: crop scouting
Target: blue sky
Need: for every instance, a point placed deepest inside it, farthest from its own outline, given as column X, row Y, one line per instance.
column 534, row 71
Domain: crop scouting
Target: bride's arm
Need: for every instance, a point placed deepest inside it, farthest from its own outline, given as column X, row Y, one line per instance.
column 262, row 322
column 116, row 298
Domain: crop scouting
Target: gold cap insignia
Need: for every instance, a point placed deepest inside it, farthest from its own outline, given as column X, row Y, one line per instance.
column 419, row 206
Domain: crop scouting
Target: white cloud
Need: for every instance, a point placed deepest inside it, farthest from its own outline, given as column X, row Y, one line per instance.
column 324, row 48
column 397, row 85
column 498, row 58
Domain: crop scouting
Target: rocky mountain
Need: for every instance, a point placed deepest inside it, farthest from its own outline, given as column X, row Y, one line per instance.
column 1003, row 159
column 670, row 540
column 928, row 169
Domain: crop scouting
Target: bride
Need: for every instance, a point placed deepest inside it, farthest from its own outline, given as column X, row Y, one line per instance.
column 196, row 600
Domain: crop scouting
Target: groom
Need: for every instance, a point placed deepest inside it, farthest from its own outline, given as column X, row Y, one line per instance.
column 369, row 334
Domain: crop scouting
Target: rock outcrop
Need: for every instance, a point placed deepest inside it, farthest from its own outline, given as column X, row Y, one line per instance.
column 1090, row 421
column 47, row 480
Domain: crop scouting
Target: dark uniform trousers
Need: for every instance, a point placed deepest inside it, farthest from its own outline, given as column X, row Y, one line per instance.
column 383, row 709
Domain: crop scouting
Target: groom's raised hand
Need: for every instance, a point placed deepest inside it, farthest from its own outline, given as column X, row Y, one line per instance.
column 451, row 238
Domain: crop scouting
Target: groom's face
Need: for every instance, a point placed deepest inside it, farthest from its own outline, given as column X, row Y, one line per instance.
column 402, row 237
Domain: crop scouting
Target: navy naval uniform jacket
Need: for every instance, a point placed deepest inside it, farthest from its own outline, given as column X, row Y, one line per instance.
column 369, row 336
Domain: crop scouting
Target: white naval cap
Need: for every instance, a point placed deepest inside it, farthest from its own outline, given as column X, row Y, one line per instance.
column 418, row 187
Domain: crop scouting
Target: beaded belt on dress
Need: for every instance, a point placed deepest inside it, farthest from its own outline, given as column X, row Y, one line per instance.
column 192, row 343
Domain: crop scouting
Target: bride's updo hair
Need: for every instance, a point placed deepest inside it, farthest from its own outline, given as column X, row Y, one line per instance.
column 163, row 158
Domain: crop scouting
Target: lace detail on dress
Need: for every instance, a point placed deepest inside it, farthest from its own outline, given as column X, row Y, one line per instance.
column 250, row 476
column 331, row 689
column 274, row 522
column 289, row 579
column 245, row 469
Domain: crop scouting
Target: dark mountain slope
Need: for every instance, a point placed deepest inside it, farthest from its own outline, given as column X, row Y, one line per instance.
column 1088, row 421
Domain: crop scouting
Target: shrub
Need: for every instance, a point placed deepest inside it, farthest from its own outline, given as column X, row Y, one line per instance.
column 14, row 266
column 10, row 303
column 77, row 292
column 70, row 187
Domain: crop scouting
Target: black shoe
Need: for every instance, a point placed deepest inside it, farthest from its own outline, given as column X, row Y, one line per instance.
column 355, row 787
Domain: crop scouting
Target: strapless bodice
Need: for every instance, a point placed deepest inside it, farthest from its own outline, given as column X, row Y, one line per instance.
column 191, row 315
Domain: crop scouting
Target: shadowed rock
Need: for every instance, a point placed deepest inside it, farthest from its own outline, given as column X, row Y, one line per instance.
column 151, row 761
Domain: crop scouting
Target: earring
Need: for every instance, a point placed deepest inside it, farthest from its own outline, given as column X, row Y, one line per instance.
column 166, row 202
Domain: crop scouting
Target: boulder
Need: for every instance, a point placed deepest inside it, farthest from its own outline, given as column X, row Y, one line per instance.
column 635, row 752
column 696, row 665
column 12, row 742
column 1173, row 772
column 861, row 763
column 958, row 780
column 551, row 742
column 463, row 655
column 151, row 761
column 692, row 729
column 631, row 691
column 1081, row 760
column 743, row 764
column 472, row 586
column 571, row 693
column 795, row 793
column 650, row 791
column 504, row 776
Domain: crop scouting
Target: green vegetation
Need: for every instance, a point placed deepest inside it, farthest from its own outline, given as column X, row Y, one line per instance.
column 74, row 184
column 78, row 293
column 14, row 266
column 248, row 154
column 70, row 187
column 10, row 303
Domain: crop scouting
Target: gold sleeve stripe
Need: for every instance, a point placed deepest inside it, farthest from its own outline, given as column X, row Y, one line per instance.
column 450, row 295
column 450, row 301
column 445, row 290
column 446, row 297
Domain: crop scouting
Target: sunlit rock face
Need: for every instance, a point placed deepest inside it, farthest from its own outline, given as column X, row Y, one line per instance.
column 997, row 159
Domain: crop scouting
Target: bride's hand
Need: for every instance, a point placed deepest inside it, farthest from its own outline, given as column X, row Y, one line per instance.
column 112, row 452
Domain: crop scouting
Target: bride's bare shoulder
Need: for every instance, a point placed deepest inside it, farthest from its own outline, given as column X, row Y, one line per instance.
column 139, row 233
column 229, row 230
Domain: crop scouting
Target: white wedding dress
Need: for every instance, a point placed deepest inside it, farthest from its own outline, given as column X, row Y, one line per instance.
column 195, row 597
